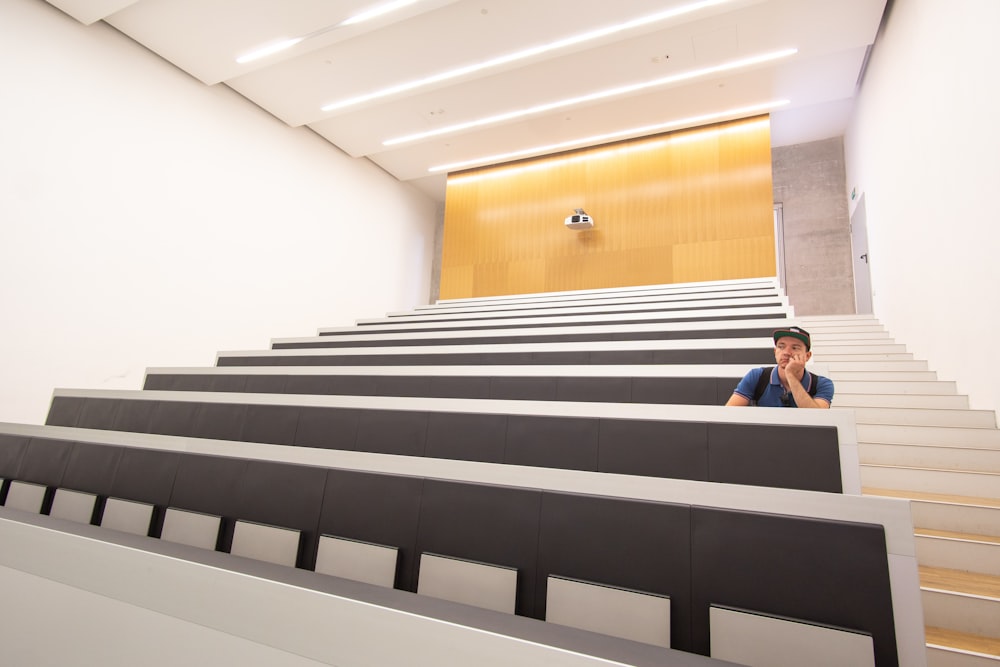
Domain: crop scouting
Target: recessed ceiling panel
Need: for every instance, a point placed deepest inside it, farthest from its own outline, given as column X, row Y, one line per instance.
column 432, row 40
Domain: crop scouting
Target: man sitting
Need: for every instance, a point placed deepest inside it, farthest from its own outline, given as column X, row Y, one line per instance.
column 788, row 384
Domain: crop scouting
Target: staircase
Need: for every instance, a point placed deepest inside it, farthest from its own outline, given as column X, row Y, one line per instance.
column 919, row 440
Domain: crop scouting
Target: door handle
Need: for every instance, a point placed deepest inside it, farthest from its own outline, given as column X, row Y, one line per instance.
column 864, row 257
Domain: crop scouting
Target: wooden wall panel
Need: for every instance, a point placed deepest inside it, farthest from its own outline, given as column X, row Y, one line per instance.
column 685, row 206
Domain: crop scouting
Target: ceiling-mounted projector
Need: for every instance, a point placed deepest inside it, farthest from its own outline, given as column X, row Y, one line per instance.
column 579, row 220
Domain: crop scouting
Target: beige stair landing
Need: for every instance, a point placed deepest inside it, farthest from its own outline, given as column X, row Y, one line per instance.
column 918, row 439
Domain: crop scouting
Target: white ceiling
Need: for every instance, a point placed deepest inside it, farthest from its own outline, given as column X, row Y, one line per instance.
column 432, row 37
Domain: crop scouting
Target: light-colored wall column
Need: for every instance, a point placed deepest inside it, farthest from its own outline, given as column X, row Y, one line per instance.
column 809, row 184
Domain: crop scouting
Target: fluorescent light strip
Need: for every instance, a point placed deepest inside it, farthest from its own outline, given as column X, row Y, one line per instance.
column 265, row 51
column 275, row 47
column 604, row 94
column 602, row 138
column 526, row 53
column 377, row 11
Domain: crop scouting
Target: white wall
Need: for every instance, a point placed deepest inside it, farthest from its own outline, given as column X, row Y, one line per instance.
column 149, row 220
column 923, row 147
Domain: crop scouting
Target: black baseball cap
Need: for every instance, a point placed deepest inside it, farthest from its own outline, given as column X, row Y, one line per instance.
column 794, row 332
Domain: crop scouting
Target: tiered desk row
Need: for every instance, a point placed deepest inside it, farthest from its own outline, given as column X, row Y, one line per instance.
column 561, row 458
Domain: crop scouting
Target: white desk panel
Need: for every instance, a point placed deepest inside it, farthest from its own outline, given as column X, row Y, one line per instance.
column 359, row 561
column 756, row 343
column 759, row 640
column 73, row 505
column 701, row 286
column 271, row 544
column 127, row 516
column 25, row 496
column 386, row 324
column 478, row 584
column 361, row 335
column 614, row 305
column 192, row 528
column 610, row 610
column 734, row 371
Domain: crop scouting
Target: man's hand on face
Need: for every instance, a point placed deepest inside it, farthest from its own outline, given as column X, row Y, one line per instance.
column 796, row 365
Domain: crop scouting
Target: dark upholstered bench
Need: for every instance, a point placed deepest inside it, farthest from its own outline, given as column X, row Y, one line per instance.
column 790, row 566
column 670, row 441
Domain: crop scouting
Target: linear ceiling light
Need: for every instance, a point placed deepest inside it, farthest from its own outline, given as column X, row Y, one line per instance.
column 526, row 53
column 591, row 97
column 610, row 136
column 265, row 51
column 281, row 45
column 377, row 11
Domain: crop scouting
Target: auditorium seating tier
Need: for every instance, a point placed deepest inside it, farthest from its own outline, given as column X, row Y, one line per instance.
column 574, row 435
column 786, row 565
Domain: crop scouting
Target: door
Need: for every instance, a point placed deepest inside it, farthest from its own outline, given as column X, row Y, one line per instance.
column 862, row 272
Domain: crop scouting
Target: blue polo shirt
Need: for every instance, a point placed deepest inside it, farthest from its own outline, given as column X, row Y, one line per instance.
column 773, row 392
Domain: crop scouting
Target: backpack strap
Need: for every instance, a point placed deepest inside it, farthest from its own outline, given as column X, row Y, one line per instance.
column 762, row 382
column 813, row 384
column 765, row 379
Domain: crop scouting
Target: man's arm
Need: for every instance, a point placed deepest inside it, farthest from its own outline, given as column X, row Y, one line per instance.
column 737, row 400
column 744, row 389
column 802, row 397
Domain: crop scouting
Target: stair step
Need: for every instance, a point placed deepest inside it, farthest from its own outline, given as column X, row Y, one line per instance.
column 858, row 355
column 961, row 601
column 930, row 435
column 970, row 459
column 953, row 535
column 924, row 417
column 856, row 343
column 883, row 376
column 958, row 551
column 980, row 585
column 818, row 330
column 821, row 322
column 832, row 336
column 823, row 326
column 979, row 519
column 824, row 352
column 857, row 332
column 908, row 401
column 875, row 365
column 833, row 320
column 943, row 511
column 939, row 387
column 953, row 499
column 949, row 648
column 931, row 480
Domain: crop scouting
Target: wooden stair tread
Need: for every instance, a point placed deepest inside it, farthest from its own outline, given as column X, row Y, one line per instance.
column 962, row 641
column 928, row 532
column 933, row 497
column 930, row 468
column 971, row 583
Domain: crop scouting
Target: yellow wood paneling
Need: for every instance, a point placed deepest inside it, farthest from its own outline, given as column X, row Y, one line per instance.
column 690, row 205
column 724, row 259
column 458, row 280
